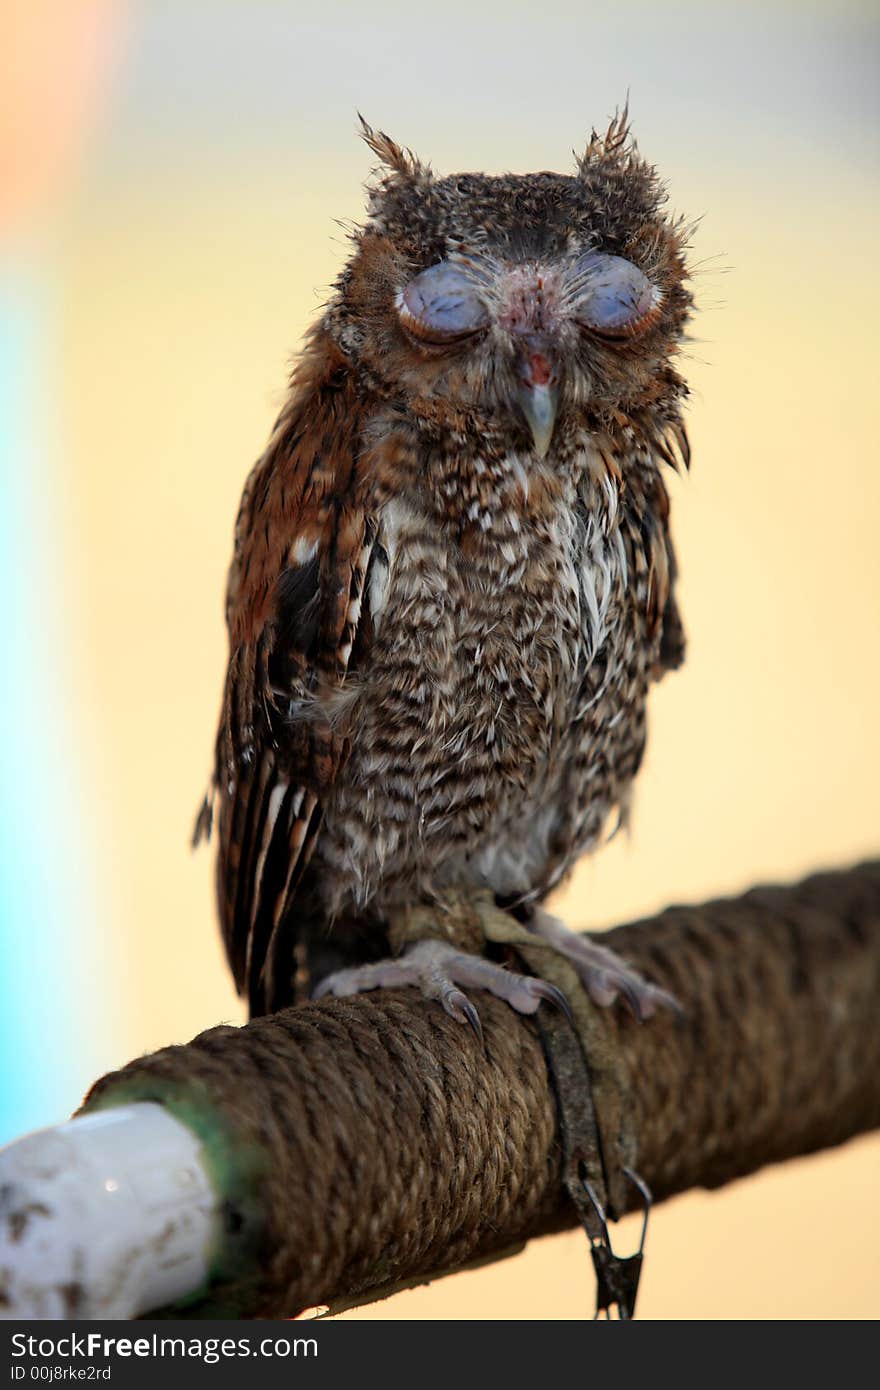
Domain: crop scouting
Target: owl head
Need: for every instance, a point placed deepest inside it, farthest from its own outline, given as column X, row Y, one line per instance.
column 534, row 304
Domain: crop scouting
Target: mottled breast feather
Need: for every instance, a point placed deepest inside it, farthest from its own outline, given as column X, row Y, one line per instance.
column 500, row 718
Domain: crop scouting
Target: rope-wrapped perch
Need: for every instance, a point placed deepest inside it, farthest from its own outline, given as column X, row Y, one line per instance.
column 363, row 1143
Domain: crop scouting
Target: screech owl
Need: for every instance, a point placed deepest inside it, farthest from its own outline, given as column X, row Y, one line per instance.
column 453, row 581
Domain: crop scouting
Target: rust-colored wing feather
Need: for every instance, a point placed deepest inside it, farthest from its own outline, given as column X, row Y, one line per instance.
column 294, row 611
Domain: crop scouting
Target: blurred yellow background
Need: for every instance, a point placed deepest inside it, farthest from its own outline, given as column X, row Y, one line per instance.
column 164, row 281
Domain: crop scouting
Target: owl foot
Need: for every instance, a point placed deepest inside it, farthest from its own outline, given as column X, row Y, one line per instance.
column 604, row 975
column 438, row 969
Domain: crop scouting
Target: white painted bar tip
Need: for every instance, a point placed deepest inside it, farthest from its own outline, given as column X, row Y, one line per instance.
column 110, row 1215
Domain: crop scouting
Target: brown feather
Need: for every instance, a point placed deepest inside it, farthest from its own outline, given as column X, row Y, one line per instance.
column 274, row 772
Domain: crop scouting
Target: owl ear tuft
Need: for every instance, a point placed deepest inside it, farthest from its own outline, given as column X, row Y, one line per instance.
column 611, row 144
column 401, row 161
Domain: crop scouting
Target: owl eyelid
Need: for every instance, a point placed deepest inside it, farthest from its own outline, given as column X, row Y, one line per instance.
column 440, row 307
column 615, row 299
column 415, row 329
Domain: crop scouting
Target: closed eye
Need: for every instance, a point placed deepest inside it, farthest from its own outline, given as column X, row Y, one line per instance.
column 441, row 307
column 611, row 297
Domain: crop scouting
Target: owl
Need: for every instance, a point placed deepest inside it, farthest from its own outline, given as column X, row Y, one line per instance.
column 453, row 584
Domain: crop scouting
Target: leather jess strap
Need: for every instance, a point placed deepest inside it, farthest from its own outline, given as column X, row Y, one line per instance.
column 595, row 1126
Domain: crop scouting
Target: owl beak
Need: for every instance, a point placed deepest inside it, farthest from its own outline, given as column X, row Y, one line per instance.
column 538, row 396
column 538, row 405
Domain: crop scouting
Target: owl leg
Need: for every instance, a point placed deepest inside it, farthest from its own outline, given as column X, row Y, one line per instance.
column 603, row 973
column 438, row 969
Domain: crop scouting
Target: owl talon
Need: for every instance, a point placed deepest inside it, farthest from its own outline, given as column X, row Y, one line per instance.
column 459, row 1007
column 555, row 997
column 627, row 991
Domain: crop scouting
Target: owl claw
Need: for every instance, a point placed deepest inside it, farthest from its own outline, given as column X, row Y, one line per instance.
column 555, row 997
column 459, row 1007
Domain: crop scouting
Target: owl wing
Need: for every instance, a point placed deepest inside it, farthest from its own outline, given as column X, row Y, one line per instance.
column 295, row 614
